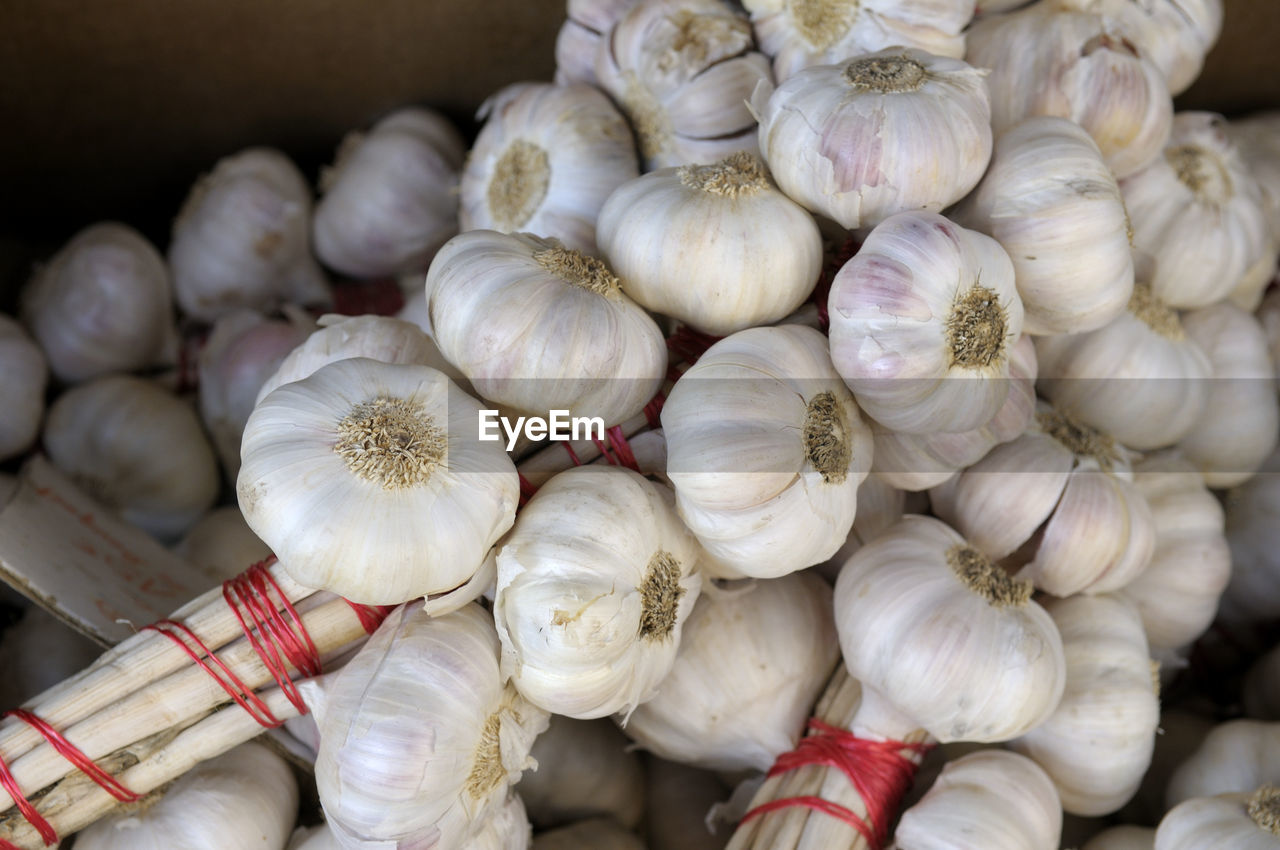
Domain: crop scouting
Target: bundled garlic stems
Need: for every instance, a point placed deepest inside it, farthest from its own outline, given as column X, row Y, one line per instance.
column 26, row 374
column 584, row 770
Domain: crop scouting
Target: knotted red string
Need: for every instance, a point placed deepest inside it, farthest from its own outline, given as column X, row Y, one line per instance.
column 877, row 769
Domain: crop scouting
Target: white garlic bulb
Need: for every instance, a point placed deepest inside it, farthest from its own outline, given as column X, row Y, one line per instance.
column 537, row 327
column 221, row 545
column 102, row 304
column 585, row 769
column 26, row 375
column 1123, row 838
column 586, row 23
column 594, row 834
column 595, row 583
column 766, row 449
column 1240, row 424
column 1252, row 515
column 1048, row 59
column 820, row 32
column 1257, row 140
column 1199, row 218
column 1140, row 379
column 752, row 663
column 716, row 246
column 506, row 828
column 245, row 799
column 242, row 239
column 545, row 161
column 1233, row 758
column 391, row 198
column 930, row 625
column 369, row 479
column 137, row 449
column 988, row 800
column 847, row 141
column 922, row 321
column 1261, row 695
column 682, row 71
column 1242, row 821
column 419, row 736
column 1053, row 205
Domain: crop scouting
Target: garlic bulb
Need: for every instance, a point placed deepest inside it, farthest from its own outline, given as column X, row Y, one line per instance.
column 1053, row 205
column 1233, row 758
column 507, row 828
column 1241, row 420
column 137, row 449
column 245, row 799
column 678, row 800
column 26, row 375
column 595, row 582
column 1059, row 503
column 766, row 449
column 928, row 624
column 1248, row 293
column 578, row 41
column 584, row 770
column 1199, row 218
column 419, row 736
column 847, row 141
column 1140, row 379
column 1177, row 594
column 1243, row 821
column 989, row 800
column 1123, row 838
column 922, row 321
column 1257, row 142
column 102, row 304
column 242, row 239
column 317, row 838
column 1261, row 696
column 1098, row 744
column 242, row 351
column 390, row 200
column 537, row 327
column 822, row 32
column 1252, row 515
column 751, row 665
column 545, row 161
column 1048, row 59
column 595, row 834
column 222, row 545
column 39, row 651
column 682, row 71
column 716, row 246
column 369, row 479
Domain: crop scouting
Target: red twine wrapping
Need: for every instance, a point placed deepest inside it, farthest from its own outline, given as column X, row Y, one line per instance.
column 877, row 769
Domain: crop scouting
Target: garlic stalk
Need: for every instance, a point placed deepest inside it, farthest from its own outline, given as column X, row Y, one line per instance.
column 221, row 544
column 102, row 304
column 1242, row 821
column 1233, row 758
column 594, row 834
column 1252, row 515
column 26, row 375
column 1123, row 838
column 585, row 770
column 586, row 24
column 545, row 161
column 846, row 140
column 390, row 200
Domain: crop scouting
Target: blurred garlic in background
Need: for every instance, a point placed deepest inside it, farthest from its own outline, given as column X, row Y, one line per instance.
column 1262, row 687
column 678, row 799
column 26, row 375
column 594, row 834
column 1252, row 516
column 585, row 769
column 1233, row 758
column 39, row 651
column 1257, row 140
column 1123, row 838
column 1247, row 820
column 221, row 544
column 586, row 24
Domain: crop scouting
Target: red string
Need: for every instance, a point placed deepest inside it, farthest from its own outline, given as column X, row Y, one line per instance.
column 370, row 616
column 877, row 769
column 72, row 754
column 573, row 456
column 653, row 411
column 28, row 811
column 688, row 344
column 622, row 448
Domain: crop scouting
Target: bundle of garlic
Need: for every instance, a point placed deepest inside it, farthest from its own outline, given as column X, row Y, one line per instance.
column 1233, row 758
column 678, row 799
column 1241, row 821
column 136, row 448
column 585, row 770
column 545, row 161
column 766, row 449
column 1058, row 504
column 26, row 375
column 242, row 239
column 1123, row 838
column 538, row 327
column 369, row 479
column 390, row 199
column 586, row 24
column 595, row 583
column 595, row 834
column 420, row 737
column 1049, row 59
column 682, row 71
column 37, row 652
column 245, row 799
column 752, row 662
column 102, row 304
column 221, row 544
column 847, row 141
column 1252, row 514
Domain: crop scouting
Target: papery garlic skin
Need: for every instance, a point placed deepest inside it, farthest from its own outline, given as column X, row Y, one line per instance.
column 848, row 141
column 586, row 23
column 102, row 304
column 1234, row 757
column 369, row 479
column 1199, row 218
column 716, row 246
column 595, row 834
column 1049, row 60
column 419, row 736
column 26, row 375
column 545, row 161
column 506, row 828
column 1243, row 821
column 585, row 769
column 138, row 449
column 595, row 583
column 221, row 544
column 946, row 637
column 245, row 799
column 390, row 200
column 242, row 239
column 752, row 663
column 989, row 800
column 537, row 327
column 766, row 449
column 1054, row 206
column 922, row 321
column 1123, row 838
